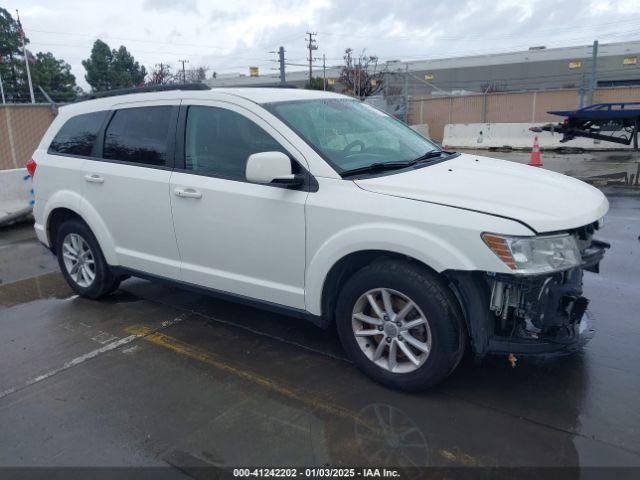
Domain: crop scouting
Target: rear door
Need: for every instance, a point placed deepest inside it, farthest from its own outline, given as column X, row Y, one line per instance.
column 62, row 165
column 127, row 187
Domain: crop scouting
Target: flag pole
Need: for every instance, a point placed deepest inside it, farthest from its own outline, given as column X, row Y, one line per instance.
column 26, row 58
column 2, row 90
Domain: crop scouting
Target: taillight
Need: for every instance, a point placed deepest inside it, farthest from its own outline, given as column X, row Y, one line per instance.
column 31, row 167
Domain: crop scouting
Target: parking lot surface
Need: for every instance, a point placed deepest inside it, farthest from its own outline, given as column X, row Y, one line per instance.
column 157, row 376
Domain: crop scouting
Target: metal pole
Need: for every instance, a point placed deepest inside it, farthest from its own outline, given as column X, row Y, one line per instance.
column 26, row 62
column 594, row 63
column 324, row 72
column 281, row 60
column 358, row 79
column 2, row 90
column 26, row 59
column 406, row 94
column 582, row 82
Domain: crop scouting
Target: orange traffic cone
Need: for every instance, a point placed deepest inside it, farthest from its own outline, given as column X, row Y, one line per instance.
column 535, row 160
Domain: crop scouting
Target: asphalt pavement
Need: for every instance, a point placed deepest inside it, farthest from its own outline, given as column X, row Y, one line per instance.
column 156, row 376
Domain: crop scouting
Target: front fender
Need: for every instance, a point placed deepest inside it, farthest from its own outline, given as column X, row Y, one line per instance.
column 401, row 239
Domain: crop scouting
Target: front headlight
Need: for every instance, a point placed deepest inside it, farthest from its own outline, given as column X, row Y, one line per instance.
column 533, row 255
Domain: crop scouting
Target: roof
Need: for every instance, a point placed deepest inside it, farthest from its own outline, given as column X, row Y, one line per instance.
column 256, row 95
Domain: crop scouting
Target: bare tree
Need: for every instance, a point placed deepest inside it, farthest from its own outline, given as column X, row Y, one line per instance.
column 361, row 76
column 196, row 75
column 161, row 75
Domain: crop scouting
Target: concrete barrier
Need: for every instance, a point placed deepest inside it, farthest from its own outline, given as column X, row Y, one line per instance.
column 514, row 135
column 422, row 129
column 16, row 195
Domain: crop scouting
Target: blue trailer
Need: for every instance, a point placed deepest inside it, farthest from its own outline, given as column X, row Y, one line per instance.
column 610, row 122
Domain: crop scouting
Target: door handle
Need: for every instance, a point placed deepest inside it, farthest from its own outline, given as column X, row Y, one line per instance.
column 93, row 178
column 187, row 193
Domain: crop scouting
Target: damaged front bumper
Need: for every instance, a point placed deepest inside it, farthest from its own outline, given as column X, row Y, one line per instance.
column 538, row 315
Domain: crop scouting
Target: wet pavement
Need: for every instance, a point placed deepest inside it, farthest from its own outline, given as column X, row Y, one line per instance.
column 157, row 376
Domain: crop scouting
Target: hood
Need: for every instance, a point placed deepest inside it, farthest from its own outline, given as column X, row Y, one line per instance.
column 545, row 201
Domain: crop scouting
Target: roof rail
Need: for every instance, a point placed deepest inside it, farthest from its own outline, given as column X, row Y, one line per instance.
column 148, row 88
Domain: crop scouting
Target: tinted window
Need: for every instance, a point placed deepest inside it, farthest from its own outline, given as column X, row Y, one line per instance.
column 218, row 142
column 78, row 134
column 139, row 135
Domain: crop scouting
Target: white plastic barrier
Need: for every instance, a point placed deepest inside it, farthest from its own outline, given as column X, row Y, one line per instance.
column 422, row 129
column 513, row 135
column 16, row 196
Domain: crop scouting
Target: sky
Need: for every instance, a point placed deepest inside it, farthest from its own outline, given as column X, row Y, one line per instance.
column 232, row 35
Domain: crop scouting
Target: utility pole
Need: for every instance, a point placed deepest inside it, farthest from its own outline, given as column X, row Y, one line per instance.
column 283, row 80
column 311, row 46
column 324, row 72
column 594, row 64
column 184, row 72
column 26, row 58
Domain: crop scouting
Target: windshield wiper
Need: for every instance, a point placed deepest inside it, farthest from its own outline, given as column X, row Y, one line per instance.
column 374, row 167
column 429, row 155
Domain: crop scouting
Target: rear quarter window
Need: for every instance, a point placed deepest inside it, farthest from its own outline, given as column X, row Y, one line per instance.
column 78, row 134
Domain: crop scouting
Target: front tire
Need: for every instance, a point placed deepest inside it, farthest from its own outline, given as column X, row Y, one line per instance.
column 82, row 262
column 400, row 324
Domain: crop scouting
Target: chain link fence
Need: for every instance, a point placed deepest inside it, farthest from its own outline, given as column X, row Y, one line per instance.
column 21, row 129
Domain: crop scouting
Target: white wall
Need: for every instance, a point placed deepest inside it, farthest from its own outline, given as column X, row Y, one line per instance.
column 16, row 199
column 514, row 135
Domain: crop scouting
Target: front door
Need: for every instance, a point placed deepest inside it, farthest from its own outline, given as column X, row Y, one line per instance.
column 234, row 236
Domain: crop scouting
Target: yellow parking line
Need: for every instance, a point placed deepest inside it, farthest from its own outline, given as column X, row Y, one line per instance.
column 183, row 348
column 312, row 402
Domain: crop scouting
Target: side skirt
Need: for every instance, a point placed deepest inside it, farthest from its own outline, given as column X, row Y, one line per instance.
column 317, row 320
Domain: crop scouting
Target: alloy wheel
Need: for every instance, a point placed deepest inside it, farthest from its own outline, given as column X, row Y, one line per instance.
column 391, row 330
column 78, row 260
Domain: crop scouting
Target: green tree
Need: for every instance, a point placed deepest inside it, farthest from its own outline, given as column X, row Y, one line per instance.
column 55, row 77
column 317, row 83
column 11, row 61
column 127, row 71
column 110, row 69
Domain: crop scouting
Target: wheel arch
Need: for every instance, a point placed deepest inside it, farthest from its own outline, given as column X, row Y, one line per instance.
column 61, row 213
column 360, row 244
column 345, row 267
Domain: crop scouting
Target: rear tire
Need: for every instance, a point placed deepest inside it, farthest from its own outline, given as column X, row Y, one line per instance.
column 82, row 262
column 400, row 324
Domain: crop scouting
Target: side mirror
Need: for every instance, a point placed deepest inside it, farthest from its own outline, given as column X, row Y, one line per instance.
column 271, row 168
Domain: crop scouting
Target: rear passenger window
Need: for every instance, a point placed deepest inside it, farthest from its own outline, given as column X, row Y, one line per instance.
column 139, row 135
column 219, row 141
column 78, row 134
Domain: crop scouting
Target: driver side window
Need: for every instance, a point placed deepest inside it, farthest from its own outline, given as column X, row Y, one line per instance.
column 219, row 141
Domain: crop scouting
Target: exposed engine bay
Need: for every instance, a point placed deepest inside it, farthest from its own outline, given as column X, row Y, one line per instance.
column 530, row 314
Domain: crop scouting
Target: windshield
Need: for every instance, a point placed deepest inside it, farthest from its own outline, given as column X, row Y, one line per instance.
column 350, row 134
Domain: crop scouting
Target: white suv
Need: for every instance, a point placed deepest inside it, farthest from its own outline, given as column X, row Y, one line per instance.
column 322, row 207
